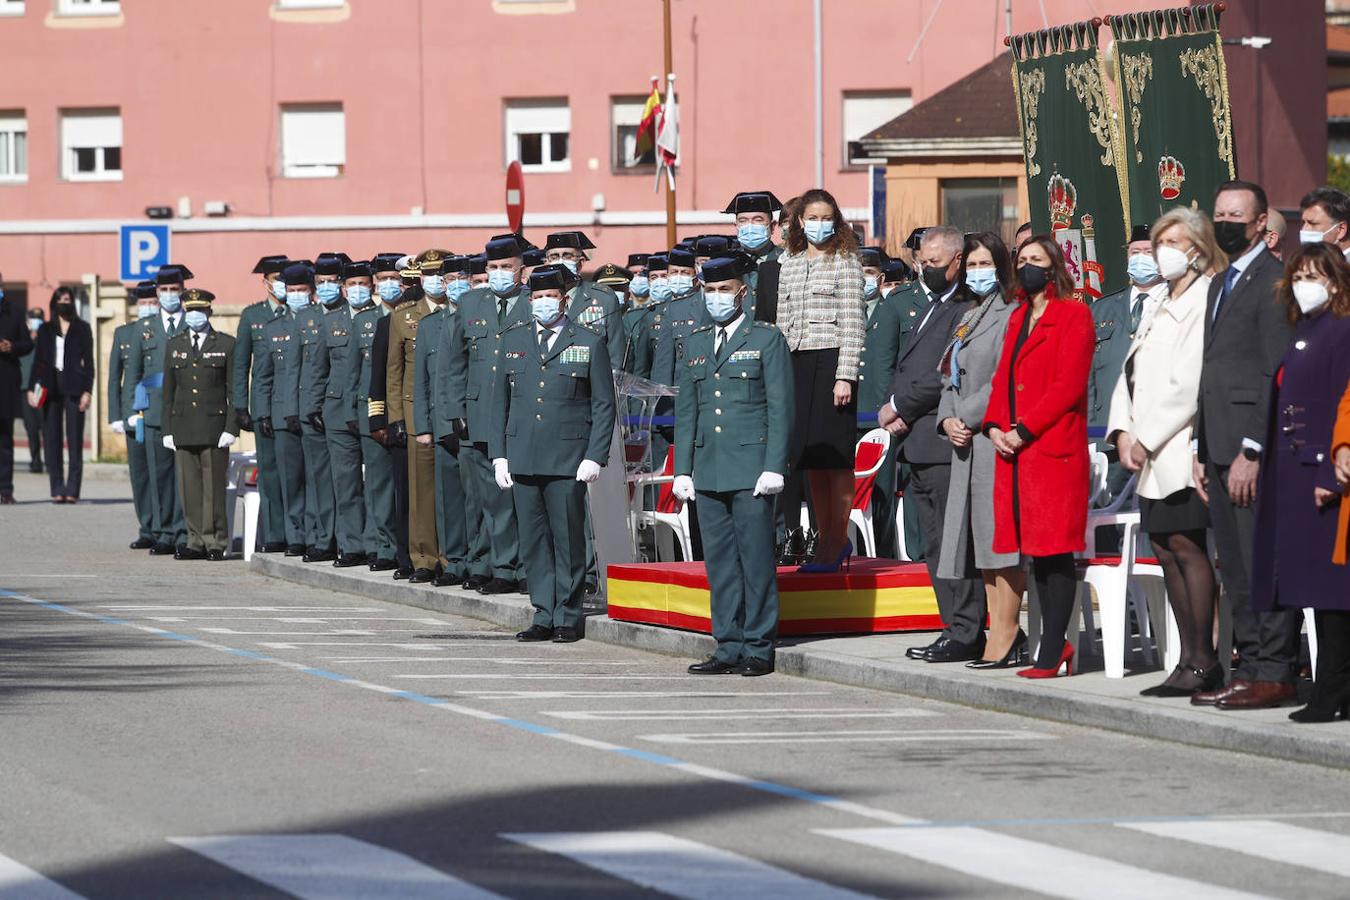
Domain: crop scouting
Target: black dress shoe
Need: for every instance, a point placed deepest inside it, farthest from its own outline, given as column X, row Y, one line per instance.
column 921, row 652
column 141, row 544
column 445, row 579
column 162, row 549
column 535, row 633
column 498, row 586
column 403, row 573
column 316, row 555
column 714, row 666
column 565, row 635
column 474, row 582
column 383, row 565
column 187, row 553
column 274, row 547
column 215, row 555
column 347, row 560
column 295, row 549
column 948, row 650
column 752, row 667
column 422, row 576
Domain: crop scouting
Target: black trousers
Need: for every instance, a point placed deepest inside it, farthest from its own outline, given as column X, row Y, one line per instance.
column 6, row 455
column 961, row 601
column 63, row 421
column 32, row 424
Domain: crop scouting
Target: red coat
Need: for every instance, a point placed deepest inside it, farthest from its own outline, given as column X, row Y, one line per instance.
column 1051, row 382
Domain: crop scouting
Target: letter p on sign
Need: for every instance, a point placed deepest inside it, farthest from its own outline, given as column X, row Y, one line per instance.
column 144, row 249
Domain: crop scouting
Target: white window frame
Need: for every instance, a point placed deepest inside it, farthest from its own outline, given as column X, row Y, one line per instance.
column 12, row 123
column 312, row 163
column 625, row 112
column 95, row 121
column 546, row 117
column 89, row 7
column 12, row 7
column 310, row 4
column 874, row 109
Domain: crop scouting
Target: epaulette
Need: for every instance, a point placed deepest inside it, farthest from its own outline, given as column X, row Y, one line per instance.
column 514, row 325
column 703, row 329
column 406, row 303
column 759, row 324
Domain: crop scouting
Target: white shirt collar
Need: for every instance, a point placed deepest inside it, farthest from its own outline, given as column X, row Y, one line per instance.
column 730, row 327
column 554, row 329
column 164, row 316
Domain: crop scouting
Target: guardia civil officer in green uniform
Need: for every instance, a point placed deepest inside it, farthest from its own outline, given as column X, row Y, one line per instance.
column 274, row 401
column 494, row 563
column 650, row 321
column 200, row 423
column 754, row 218
column 552, row 422
column 435, row 427
column 911, row 301
column 377, row 391
column 320, row 504
column 124, row 344
column 1116, row 318
column 249, row 348
column 142, row 397
column 733, row 421
column 881, row 348
column 683, row 313
column 589, row 304
column 340, row 427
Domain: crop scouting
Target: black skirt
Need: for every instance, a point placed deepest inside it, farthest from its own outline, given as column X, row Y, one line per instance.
column 823, row 434
column 1181, row 511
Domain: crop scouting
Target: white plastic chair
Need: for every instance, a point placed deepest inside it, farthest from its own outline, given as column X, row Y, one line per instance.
column 671, row 516
column 864, row 479
column 241, row 480
column 1311, row 625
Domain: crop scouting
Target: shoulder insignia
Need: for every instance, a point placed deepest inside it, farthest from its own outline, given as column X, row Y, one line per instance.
column 513, row 326
column 703, row 329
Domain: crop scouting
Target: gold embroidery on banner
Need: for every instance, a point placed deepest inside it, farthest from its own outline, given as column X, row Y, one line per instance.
column 1138, row 71
column 1033, row 85
column 1204, row 66
column 1086, row 80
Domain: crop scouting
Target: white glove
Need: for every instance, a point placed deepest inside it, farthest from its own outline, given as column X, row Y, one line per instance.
column 132, row 420
column 683, row 488
column 503, row 477
column 769, row 483
column 588, row 472
column 168, row 442
column 118, row 427
column 226, row 439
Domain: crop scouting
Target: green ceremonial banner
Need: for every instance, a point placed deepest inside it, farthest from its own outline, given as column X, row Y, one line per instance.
column 1073, row 152
column 1175, row 117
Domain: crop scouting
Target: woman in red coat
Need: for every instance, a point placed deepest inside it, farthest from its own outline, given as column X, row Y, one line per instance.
column 1037, row 421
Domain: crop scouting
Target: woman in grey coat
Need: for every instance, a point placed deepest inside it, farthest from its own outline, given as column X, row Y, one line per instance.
column 968, row 529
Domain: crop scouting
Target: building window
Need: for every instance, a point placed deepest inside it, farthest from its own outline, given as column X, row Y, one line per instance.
column 313, row 141
column 981, row 204
column 13, row 147
column 538, row 134
column 11, row 7
column 311, row 4
column 89, row 7
column 91, row 145
column 866, row 111
column 625, row 117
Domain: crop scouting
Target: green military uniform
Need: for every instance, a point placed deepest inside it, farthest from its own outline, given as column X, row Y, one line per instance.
column 198, row 414
column 673, row 325
column 733, row 419
column 380, row 538
column 340, row 429
column 597, row 308
column 138, row 463
column 1111, row 319
column 249, row 348
column 550, row 411
column 881, row 348
column 911, row 301
column 275, row 407
column 320, row 504
column 639, row 346
column 422, row 543
column 431, row 408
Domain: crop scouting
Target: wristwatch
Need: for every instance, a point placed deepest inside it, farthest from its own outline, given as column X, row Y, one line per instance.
column 1251, row 453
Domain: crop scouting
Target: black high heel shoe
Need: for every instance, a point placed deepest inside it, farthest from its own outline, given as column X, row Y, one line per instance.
column 1016, row 656
column 1185, row 681
column 1323, row 706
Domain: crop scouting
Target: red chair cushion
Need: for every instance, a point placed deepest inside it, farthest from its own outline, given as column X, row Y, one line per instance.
column 666, row 501
column 865, row 457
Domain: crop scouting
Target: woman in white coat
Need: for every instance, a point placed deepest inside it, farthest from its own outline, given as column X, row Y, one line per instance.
column 1153, row 410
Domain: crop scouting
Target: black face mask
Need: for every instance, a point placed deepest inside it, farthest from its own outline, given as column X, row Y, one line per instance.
column 1231, row 236
column 65, row 310
column 936, row 280
column 1033, row 278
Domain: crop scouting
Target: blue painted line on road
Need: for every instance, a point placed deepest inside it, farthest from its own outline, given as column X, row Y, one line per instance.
column 658, row 758
column 324, row 673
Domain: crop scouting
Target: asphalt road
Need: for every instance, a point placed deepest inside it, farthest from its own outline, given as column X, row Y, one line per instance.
column 185, row 729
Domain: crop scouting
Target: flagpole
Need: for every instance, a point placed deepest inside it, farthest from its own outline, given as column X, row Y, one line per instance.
column 670, row 187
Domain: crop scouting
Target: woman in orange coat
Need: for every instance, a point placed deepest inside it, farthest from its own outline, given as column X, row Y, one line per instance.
column 1037, row 421
column 1340, row 449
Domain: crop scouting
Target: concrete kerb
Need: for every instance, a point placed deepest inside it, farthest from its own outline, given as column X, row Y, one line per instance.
column 1041, row 702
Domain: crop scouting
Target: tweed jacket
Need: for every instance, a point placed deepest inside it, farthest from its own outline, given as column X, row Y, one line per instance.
column 820, row 307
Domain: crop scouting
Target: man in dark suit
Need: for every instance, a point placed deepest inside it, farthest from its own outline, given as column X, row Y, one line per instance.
column 1246, row 334
column 15, row 343
column 910, row 415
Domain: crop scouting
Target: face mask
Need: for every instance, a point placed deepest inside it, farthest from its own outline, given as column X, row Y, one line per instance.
column 501, row 281
column 279, row 289
column 1172, row 263
column 358, row 295
column 818, row 231
column 935, row 278
column 870, row 285
column 981, row 281
column 1312, row 235
column 722, row 307
column 545, row 309
column 2, row 293
column 639, row 286
column 457, row 288
column 1143, row 268
column 144, row 311
column 170, row 301
column 35, row 324
column 433, row 285
column 570, row 264
column 752, row 236
column 65, row 310
column 389, row 290
column 1310, row 295
column 1033, row 278
column 660, row 290
column 297, row 300
column 1231, row 236
column 680, row 284
column 195, row 319
column 328, row 292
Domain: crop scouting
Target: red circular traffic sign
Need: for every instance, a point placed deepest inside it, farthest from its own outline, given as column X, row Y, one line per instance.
column 515, row 196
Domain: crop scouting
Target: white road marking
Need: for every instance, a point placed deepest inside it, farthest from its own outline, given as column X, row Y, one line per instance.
column 164, row 607
column 1030, row 866
column 594, row 695
column 651, row 715
column 502, row 660
column 587, row 675
column 835, row 737
column 294, row 620
column 332, row 867
column 1278, row 842
column 679, row 867
column 18, row 882
column 50, row 575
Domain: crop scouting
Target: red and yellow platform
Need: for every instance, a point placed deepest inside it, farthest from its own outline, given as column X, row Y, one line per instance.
column 875, row 595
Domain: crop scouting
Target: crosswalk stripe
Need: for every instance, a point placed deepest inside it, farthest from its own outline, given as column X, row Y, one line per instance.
column 331, row 867
column 18, row 882
column 1030, row 866
column 680, row 867
column 1324, row 851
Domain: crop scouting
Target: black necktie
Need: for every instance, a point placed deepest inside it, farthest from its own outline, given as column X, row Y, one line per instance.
column 721, row 344
column 196, row 344
column 173, row 325
column 501, row 311
column 544, row 335
column 1137, row 312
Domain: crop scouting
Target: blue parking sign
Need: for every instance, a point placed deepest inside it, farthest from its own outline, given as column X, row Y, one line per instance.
column 145, row 248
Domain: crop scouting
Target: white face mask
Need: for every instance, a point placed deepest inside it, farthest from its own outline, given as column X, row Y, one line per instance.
column 1310, row 295
column 1172, row 263
column 1312, row 235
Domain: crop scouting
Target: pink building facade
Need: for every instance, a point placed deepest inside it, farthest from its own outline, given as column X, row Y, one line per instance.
column 296, row 126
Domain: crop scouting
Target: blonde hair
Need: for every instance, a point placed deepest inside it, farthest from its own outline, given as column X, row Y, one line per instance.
column 1199, row 231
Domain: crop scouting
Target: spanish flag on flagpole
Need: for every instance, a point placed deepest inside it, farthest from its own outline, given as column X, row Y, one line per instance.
column 646, row 135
